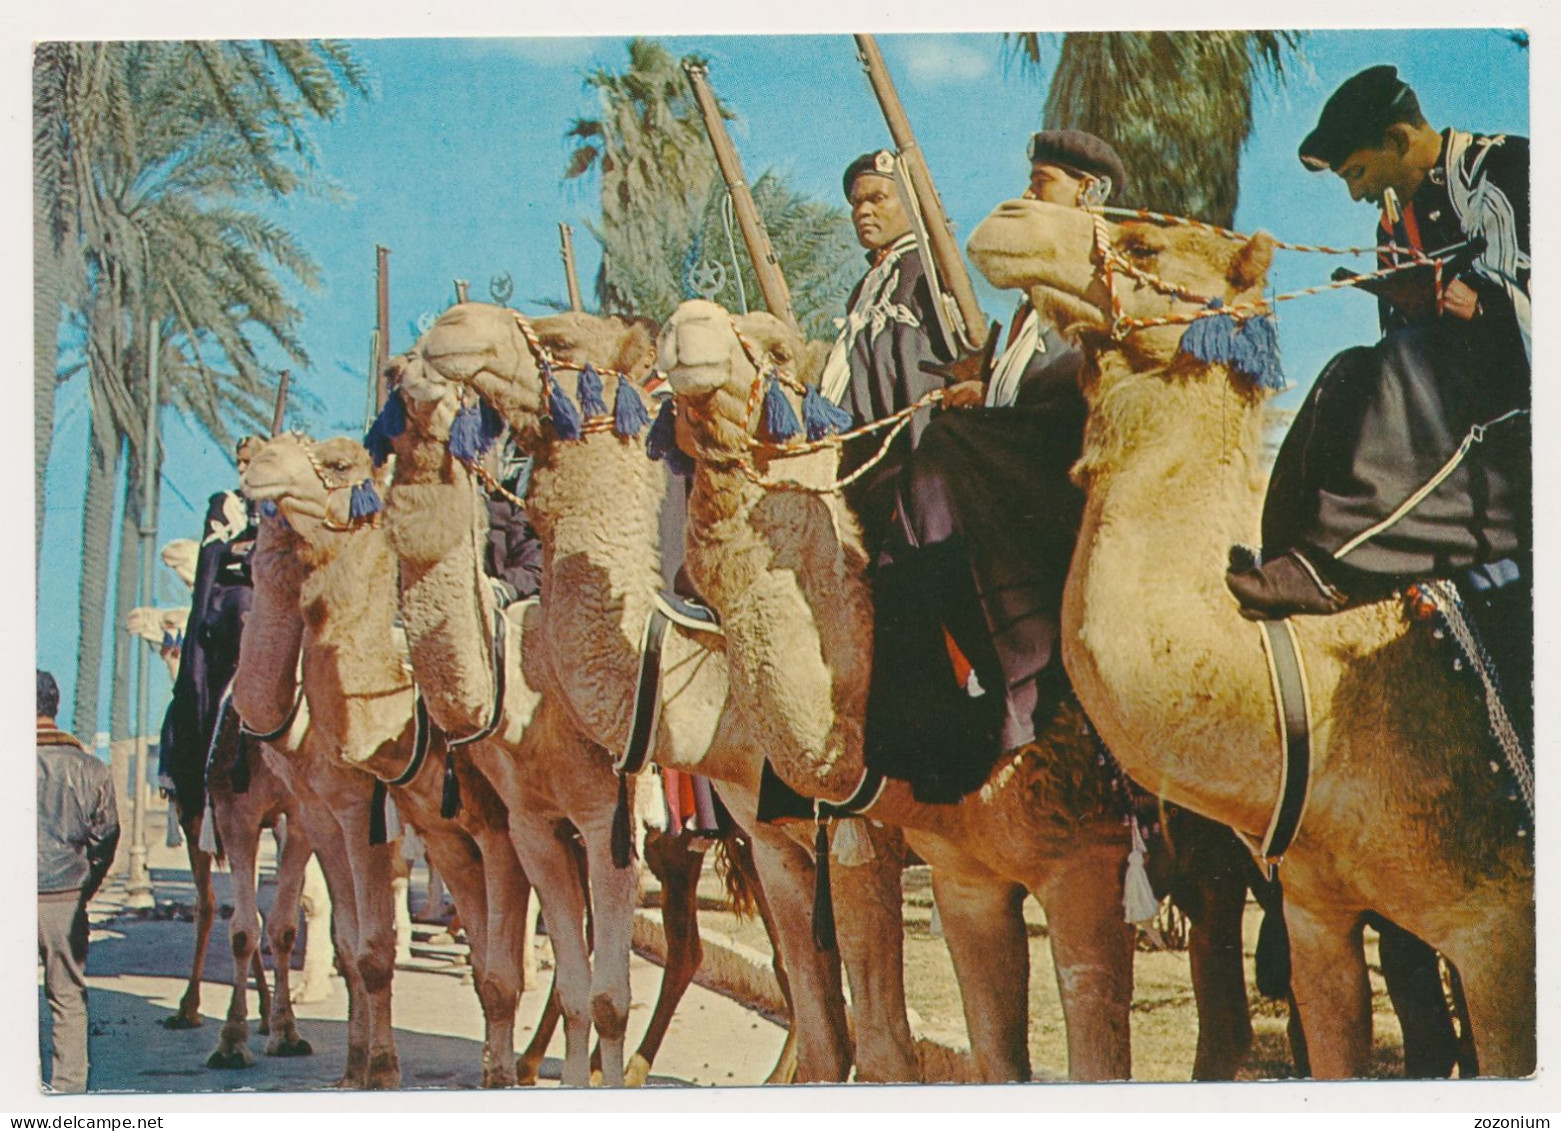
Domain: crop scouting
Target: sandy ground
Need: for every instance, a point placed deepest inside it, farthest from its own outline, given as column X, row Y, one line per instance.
column 137, row 970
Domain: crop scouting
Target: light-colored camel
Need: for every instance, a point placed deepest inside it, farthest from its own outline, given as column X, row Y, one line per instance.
column 786, row 570
column 181, row 555
column 595, row 504
column 163, row 629
column 1405, row 816
column 329, row 584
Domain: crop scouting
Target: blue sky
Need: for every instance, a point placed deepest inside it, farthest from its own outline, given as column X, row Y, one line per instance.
column 454, row 164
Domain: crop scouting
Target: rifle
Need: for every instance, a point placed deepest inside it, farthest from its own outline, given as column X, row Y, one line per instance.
column 772, row 284
column 566, row 249
column 280, row 413
column 933, row 229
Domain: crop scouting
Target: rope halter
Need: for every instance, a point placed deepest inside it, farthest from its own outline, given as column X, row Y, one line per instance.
column 363, row 508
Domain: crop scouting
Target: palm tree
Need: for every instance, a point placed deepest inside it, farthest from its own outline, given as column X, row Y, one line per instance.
column 661, row 200
column 148, row 158
column 1176, row 105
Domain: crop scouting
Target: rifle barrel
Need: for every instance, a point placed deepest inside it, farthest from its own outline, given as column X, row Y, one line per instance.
column 279, row 414
column 772, row 283
column 566, row 249
column 945, row 249
column 381, row 324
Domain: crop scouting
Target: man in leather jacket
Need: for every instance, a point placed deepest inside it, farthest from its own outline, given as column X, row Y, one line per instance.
column 78, row 830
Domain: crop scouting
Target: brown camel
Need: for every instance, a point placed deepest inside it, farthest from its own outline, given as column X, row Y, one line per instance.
column 595, row 504
column 786, row 570
column 326, row 584
column 1405, row 817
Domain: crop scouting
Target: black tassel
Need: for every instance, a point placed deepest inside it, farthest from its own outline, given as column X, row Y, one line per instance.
column 377, row 815
column 620, row 825
column 450, row 803
column 823, row 902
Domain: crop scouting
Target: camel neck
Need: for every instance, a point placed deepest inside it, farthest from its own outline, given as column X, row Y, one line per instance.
column 437, row 520
column 596, row 505
column 790, row 589
column 265, row 685
column 1172, row 478
column 357, row 687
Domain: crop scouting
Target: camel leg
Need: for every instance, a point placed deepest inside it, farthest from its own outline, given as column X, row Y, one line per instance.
column 401, row 903
column 983, row 926
column 1092, row 952
column 870, row 926
column 1413, row 974
column 1219, row 983
column 331, row 851
column 189, row 1014
column 528, row 951
column 677, row 867
column 740, row 856
column 818, row 1004
column 529, row 1063
column 549, row 861
column 320, row 953
column 1329, row 981
column 1497, row 974
column 372, row 867
column 282, row 930
column 614, row 896
column 241, row 840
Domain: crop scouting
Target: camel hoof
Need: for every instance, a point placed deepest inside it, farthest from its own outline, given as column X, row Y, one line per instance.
column 596, row 1077
column 263, row 1027
column 282, row 1046
column 384, row 1072
column 498, row 1078
column 180, row 1021
column 635, row 1073
column 525, row 1072
column 240, row 1057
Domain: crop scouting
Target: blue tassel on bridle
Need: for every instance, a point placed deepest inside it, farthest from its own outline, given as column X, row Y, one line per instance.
column 390, row 423
column 589, row 393
column 365, row 501
column 1249, row 346
column 780, row 420
column 466, row 434
column 820, row 418
column 628, row 410
column 565, row 416
column 662, row 441
column 268, row 508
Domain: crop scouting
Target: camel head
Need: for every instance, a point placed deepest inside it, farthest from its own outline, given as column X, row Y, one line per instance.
column 180, row 556
column 322, row 490
column 1052, row 252
column 485, row 349
column 713, row 361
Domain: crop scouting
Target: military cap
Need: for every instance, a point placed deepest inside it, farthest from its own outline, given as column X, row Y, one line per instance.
column 880, row 162
column 1081, row 152
column 1357, row 115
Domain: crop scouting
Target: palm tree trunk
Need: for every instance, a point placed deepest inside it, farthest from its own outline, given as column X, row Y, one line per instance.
column 125, row 600
column 97, row 532
column 46, row 329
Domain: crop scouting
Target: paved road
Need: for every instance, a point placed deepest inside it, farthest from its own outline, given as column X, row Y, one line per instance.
column 137, row 970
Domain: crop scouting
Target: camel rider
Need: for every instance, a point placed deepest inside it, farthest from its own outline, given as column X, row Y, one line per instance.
column 987, row 518
column 890, row 332
column 513, row 554
column 221, row 599
column 1342, row 524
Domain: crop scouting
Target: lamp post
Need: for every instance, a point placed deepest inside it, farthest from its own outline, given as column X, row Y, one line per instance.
column 139, row 887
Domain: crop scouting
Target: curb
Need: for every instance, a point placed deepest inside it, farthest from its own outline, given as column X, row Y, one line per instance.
column 740, row 972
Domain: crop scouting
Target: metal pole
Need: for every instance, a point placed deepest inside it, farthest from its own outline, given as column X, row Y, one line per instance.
column 772, row 284
column 945, row 249
column 566, row 241
column 139, row 887
column 381, row 323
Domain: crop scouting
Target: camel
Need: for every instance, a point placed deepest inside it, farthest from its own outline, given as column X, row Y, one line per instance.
column 163, row 629
column 322, row 585
column 1406, row 816
column 573, row 662
column 786, row 570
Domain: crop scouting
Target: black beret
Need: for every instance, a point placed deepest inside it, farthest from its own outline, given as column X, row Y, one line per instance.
column 879, row 161
column 1356, row 116
column 1081, row 152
